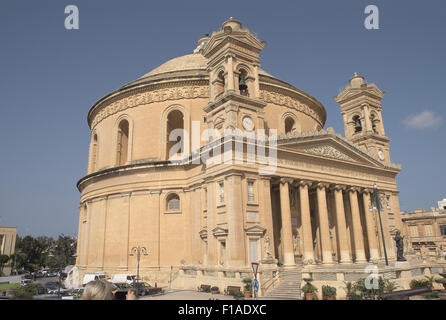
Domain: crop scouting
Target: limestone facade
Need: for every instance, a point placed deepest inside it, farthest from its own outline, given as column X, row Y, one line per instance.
column 426, row 233
column 7, row 245
column 211, row 220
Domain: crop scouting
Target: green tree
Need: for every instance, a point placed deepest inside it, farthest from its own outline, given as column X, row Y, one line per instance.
column 62, row 253
column 4, row 258
column 18, row 260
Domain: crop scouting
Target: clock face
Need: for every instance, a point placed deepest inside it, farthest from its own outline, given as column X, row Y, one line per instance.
column 247, row 123
column 381, row 154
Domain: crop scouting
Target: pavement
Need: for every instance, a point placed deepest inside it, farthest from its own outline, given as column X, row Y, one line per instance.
column 187, row 295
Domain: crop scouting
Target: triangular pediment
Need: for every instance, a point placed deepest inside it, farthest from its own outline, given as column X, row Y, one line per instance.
column 242, row 39
column 219, row 231
column 350, row 93
column 255, row 230
column 329, row 147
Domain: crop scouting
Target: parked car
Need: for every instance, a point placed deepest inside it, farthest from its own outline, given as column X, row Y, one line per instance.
column 27, row 275
column 93, row 276
column 123, row 278
column 142, row 288
column 24, row 282
column 77, row 293
column 51, row 273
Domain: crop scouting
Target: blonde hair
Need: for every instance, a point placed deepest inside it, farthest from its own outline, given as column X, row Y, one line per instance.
column 98, row 290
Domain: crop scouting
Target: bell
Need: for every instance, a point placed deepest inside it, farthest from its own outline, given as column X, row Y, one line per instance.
column 242, row 84
column 358, row 125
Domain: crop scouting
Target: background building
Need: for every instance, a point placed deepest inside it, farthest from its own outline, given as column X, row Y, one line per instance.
column 442, row 204
column 426, row 233
column 7, row 245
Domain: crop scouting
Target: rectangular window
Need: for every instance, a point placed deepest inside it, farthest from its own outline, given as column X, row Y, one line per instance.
column 428, row 230
column 413, row 231
column 253, row 251
column 443, row 230
column 223, row 252
column 250, row 191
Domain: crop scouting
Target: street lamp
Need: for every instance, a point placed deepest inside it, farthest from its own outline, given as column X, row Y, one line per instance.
column 138, row 250
column 378, row 207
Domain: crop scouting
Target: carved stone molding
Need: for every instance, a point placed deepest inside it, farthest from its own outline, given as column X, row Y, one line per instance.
column 327, row 151
column 150, row 96
column 285, row 100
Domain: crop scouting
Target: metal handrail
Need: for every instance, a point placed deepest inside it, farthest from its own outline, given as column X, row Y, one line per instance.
column 270, row 282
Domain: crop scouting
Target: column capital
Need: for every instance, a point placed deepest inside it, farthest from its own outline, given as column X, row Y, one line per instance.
column 366, row 191
column 303, row 183
column 353, row 189
column 230, row 55
column 322, row 185
column 339, row 187
column 286, row 180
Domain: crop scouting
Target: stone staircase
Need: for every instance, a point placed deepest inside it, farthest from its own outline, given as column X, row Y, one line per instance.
column 288, row 286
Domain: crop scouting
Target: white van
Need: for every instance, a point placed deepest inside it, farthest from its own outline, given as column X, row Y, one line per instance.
column 123, row 278
column 93, row 276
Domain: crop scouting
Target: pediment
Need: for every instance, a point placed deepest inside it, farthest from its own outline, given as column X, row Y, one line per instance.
column 219, row 232
column 255, row 230
column 239, row 38
column 203, row 234
column 330, row 147
column 354, row 92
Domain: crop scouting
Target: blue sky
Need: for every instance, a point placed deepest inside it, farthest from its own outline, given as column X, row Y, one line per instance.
column 50, row 77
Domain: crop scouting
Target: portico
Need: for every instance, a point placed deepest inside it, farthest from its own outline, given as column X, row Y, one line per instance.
column 330, row 231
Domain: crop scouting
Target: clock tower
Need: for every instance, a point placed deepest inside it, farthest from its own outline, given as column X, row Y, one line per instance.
column 233, row 66
column 361, row 109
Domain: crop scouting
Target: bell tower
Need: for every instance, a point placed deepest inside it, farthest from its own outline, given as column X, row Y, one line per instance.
column 233, row 66
column 361, row 109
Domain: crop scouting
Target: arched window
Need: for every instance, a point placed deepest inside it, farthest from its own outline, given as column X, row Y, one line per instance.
column 122, row 143
column 173, row 202
column 357, row 123
column 242, row 84
column 175, row 134
column 289, row 125
column 94, row 153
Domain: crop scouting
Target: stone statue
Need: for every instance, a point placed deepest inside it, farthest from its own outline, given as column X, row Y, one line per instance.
column 267, row 246
column 400, row 246
column 295, row 244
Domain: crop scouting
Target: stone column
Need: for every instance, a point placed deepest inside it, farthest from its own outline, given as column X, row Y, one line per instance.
column 327, row 257
column 155, row 199
column 371, row 234
column 287, row 233
column 211, row 241
column 256, row 82
column 357, row 228
column 268, row 213
column 230, row 78
column 236, row 238
column 344, row 250
column 307, row 236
